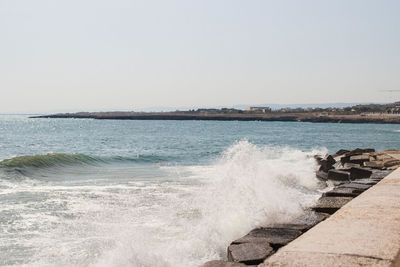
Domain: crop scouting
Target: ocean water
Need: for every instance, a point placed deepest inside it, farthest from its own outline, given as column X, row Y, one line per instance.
column 156, row 193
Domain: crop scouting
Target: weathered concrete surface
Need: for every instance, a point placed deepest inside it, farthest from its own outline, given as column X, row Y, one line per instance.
column 364, row 232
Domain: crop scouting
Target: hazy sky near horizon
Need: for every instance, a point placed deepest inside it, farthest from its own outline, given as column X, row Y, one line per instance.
column 123, row 55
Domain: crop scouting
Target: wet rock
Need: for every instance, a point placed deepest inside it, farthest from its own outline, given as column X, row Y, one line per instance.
column 318, row 158
column 379, row 174
column 276, row 237
column 322, row 175
column 331, row 204
column 249, row 253
column 374, row 164
column 221, row 263
column 345, row 159
column 367, row 181
column 338, row 175
column 307, row 220
column 342, row 192
column 360, row 187
column 359, row 159
column 359, row 173
column 327, row 163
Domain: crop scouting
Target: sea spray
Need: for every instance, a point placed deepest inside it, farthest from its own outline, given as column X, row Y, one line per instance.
column 116, row 215
column 248, row 186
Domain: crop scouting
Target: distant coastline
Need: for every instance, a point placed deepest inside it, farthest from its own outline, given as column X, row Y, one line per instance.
column 293, row 117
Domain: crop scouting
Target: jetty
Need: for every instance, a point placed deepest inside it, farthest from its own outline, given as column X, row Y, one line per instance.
column 355, row 223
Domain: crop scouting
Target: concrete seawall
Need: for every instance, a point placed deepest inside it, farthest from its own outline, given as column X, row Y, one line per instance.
column 364, row 232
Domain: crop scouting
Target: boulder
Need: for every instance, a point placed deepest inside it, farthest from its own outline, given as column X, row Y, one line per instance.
column 318, row 158
column 307, row 220
column 380, row 174
column 392, row 168
column 348, row 165
column 345, row 159
column 322, row 175
column 374, row 164
column 276, row 237
column 249, row 253
column 383, row 157
column 359, row 173
column 360, row 187
column 221, row 263
column 338, row 175
column 359, row 151
column 327, row 163
column 341, row 152
column 391, row 162
column 342, row 192
column 366, row 181
column 331, row 204
column 359, row 159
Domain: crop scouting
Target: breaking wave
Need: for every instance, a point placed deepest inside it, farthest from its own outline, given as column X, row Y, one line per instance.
column 186, row 219
column 63, row 159
column 47, row 160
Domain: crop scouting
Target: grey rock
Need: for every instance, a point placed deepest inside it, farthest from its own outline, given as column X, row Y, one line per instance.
column 345, row 159
column 341, row 152
column 349, row 165
column 391, row 162
column 379, row 174
column 249, row 253
column 318, row 158
column 338, row 175
column 331, row 204
column 359, row 159
column 327, row 163
column 276, row 237
column 359, row 173
column 303, row 227
column 322, row 175
column 374, row 164
column 359, row 151
column 356, row 186
column 342, row 192
column 221, row 263
column 366, row 181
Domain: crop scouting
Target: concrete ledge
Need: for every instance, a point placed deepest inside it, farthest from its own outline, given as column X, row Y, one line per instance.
column 364, row 232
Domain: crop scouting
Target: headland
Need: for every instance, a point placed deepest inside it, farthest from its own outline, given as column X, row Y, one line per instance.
column 373, row 113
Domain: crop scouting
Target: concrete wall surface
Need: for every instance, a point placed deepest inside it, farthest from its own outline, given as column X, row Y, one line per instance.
column 364, row 232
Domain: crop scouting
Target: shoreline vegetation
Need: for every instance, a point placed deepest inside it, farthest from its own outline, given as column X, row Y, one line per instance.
column 372, row 113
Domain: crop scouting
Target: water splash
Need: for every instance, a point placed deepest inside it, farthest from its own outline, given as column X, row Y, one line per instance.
column 184, row 219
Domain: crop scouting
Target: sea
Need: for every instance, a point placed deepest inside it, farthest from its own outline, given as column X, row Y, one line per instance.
column 83, row 192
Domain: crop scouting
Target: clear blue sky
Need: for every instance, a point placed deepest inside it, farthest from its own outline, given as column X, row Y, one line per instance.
column 105, row 55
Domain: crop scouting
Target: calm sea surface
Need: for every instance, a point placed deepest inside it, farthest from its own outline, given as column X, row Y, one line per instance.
column 156, row 193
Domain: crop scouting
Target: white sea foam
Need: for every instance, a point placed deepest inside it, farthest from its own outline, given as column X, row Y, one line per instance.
column 184, row 220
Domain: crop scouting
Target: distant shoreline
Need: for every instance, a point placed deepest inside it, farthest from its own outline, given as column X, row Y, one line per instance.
column 289, row 117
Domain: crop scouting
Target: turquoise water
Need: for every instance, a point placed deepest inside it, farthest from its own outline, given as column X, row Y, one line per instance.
column 156, row 193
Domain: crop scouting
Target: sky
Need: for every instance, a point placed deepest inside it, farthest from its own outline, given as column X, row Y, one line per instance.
column 92, row 55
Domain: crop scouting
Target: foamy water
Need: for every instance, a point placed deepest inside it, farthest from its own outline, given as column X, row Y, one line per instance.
column 185, row 219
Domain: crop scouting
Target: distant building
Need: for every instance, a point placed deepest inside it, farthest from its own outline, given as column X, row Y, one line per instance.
column 259, row 109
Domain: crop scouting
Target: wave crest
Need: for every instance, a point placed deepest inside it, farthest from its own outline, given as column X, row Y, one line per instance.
column 48, row 160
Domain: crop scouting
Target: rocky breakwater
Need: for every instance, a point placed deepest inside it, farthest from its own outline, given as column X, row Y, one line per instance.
column 347, row 174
